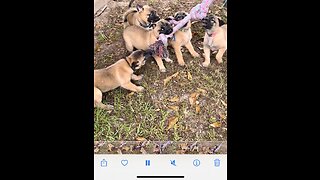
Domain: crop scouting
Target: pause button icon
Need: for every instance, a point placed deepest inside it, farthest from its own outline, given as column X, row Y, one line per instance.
column 147, row 162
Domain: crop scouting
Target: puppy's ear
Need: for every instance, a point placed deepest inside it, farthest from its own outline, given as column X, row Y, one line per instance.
column 129, row 58
column 139, row 8
column 168, row 19
column 176, row 15
column 221, row 22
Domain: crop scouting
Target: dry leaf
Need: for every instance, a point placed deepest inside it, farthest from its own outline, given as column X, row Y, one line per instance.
column 206, row 150
column 222, row 116
column 197, row 108
column 110, row 146
column 175, row 74
column 202, row 91
column 195, row 148
column 165, row 145
column 225, row 104
column 184, row 146
column 146, row 143
column 193, row 98
column 130, row 94
column 126, row 148
column 96, row 150
column 131, row 147
column 174, row 99
column 189, row 76
column 141, row 139
column 180, row 152
column 119, row 151
column 171, row 122
column 99, row 144
column 175, row 108
column 143, row 151
column 216, row 124
column 156, row 148
column 166, row 80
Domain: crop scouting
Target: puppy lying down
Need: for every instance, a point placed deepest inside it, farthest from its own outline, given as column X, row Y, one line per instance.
column 119, row 74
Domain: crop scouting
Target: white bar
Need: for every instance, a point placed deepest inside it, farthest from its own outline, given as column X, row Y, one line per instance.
column 160, row 165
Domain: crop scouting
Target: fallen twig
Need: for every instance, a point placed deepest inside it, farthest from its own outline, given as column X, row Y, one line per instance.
column 217, row 148
column 100, row 11
column 163, row 146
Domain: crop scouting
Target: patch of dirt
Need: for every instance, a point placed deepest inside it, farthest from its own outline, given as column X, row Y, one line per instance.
column 109, row 47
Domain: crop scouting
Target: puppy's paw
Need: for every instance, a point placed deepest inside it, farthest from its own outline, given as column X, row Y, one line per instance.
column 140, row 89
column 163, row 70
column 205, row 64
column 168, row 60
column 219, row 61
column 196, row 55
column 139, row 77
column 182, row 63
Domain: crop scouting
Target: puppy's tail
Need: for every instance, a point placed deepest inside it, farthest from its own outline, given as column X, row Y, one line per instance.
column 130, row 11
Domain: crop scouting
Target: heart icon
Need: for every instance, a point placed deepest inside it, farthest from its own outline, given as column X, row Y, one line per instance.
column 124, row 162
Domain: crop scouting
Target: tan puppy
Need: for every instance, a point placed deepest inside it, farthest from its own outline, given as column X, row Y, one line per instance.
column 142, row 16
column 215, row 39
column 182, row 38
column 140, row 38
column 118, row 74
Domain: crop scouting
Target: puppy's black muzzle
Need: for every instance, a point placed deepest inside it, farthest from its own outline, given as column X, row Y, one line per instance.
column 207, row 22
column 153, row 17
column 179, row 17
column 166, row 29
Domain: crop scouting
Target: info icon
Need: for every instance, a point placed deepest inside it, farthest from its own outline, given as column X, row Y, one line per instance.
column 196, row 162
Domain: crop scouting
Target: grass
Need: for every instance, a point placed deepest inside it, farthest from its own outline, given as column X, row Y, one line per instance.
column 132, row 117
column 101, row 37
column 142, row 115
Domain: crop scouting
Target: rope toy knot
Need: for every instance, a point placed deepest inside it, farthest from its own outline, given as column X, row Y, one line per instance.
column 158, row 48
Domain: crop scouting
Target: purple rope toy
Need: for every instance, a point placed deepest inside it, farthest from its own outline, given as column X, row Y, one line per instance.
column 198, row 12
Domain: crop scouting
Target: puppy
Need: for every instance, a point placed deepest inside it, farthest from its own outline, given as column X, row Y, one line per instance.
column 140, row 38
column 143, row 16
column 118, row 74
column 215, row 38
column 182, row 38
